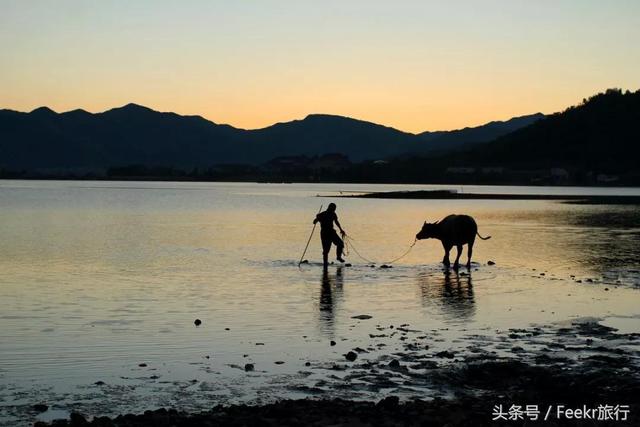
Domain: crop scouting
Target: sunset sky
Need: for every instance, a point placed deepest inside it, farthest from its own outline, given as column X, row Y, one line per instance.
column 413, row 65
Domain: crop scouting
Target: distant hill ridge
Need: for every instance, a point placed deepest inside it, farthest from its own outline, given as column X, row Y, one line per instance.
column 600, row 134
column 133, row 134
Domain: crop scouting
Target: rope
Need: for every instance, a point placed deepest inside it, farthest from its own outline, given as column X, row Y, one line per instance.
column 349, row 242
column 308, row 241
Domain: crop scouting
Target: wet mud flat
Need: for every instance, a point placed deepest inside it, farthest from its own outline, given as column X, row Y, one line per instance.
column 547, row 369
column 454, row 195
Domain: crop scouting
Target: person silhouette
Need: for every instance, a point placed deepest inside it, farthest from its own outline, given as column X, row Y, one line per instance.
column 328, row 234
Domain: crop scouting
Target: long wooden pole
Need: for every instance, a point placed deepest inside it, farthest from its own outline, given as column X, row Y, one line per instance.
column 308, row 241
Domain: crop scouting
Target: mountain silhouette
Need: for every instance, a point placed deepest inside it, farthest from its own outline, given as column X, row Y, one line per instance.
column 449, row 140
column 600, row 134
column 44, row 140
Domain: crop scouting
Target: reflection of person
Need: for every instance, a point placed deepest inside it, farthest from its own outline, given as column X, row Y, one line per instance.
column 330, row 294
column 328, row 234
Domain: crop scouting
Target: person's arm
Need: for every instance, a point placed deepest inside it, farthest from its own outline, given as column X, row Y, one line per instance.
column 316, row 220
column 339, row 226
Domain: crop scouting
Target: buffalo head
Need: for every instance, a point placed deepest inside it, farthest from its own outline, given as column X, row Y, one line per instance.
column 428, row 231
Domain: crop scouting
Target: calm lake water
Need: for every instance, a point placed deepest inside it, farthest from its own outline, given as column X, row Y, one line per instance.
column 97, row 278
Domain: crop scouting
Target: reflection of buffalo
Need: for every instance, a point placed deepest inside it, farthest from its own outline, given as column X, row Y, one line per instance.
column 450, row 293
column 453, row 230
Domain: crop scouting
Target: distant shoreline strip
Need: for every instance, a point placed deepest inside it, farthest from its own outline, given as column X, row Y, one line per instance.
column 452, row 195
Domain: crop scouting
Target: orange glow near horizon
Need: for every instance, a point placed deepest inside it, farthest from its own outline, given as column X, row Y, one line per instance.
column 415, row 66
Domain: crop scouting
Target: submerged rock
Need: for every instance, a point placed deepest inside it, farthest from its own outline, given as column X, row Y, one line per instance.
column 447, row 354
column 40, row 407
column 351, row 356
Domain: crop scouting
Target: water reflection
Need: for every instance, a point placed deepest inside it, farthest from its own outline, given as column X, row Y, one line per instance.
column 450, row 293
column 604, row 237
column 331, row 291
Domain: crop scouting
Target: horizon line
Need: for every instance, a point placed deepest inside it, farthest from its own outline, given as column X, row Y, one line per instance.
column 134, row 104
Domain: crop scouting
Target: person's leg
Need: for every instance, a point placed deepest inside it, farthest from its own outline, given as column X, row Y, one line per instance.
column 326, row 246
column 339, row 246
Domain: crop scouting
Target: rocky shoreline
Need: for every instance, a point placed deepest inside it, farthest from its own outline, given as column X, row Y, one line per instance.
column 586, row 366
column 482, row 387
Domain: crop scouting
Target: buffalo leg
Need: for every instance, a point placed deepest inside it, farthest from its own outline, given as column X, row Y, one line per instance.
column 445, row 260
column 456, row 263
column 470, row 252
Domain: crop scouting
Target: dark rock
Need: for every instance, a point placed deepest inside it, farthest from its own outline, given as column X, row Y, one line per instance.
column 394, row 364
column 307, row 364
column 425, row 364
column 197, row 322
column 279, row 362
column 389, row 403
column 77, row 420
column 362, row 317
column 99, row 383
column 351, row 356
column 491, row 263
column 332, row 343
column 447, row 354
column 249, row 367
column 306, row 261
column 106, row 421
column 347, row 264
column 386, row 266
column 40, row 407
column 142, row 365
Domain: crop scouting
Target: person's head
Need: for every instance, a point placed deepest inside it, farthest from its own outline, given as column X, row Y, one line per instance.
column 331, row 207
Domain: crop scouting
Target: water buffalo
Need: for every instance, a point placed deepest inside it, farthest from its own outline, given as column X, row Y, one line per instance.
column 453, row 230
